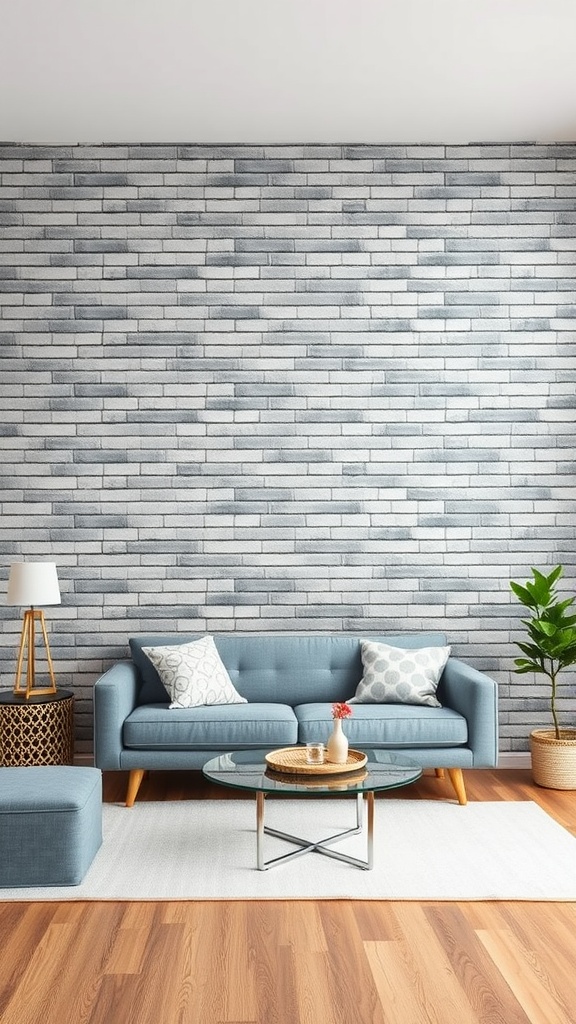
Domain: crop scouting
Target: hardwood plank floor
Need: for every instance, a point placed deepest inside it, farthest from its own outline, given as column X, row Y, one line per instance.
column 298, row 962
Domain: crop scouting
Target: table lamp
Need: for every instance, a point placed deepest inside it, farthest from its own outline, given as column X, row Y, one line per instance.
column 31, row 584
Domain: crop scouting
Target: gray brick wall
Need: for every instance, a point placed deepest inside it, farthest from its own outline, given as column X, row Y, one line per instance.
column 288, row 388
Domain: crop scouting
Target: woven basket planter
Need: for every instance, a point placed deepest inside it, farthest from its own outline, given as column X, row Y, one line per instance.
column 554, row 761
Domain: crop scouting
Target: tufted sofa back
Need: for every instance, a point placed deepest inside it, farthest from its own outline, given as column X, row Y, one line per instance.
column 282, row 669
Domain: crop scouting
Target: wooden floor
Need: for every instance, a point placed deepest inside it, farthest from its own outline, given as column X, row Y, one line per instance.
column 331, row 962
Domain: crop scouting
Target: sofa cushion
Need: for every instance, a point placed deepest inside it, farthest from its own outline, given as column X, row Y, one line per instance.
column 193, row 674
column 218, row 726
column 397, row 675
column 385, row 725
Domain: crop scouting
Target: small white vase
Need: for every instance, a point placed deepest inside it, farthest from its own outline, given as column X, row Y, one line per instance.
column 337, row 746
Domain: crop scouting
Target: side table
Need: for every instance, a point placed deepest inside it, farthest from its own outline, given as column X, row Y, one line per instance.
column 36, row 731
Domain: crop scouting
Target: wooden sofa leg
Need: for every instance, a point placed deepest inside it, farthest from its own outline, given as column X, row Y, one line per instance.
column 457, row 780
column 439, row 773
column 134, row 781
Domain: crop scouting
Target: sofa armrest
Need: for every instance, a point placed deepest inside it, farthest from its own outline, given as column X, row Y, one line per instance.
column 115, row 695
column 475, row 696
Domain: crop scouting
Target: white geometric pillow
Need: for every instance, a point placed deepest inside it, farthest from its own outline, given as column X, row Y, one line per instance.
column 396, row 675
column 194, row 674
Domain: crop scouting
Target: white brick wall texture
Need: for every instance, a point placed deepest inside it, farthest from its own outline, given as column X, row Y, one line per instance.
column 288, row 388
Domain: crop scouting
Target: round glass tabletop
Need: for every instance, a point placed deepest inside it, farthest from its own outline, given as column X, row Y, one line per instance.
column 247, row 769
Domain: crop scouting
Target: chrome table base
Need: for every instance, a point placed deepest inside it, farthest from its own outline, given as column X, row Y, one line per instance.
column 321, row 845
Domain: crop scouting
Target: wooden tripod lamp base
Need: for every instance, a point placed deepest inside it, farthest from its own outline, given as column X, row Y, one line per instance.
column 28, row 648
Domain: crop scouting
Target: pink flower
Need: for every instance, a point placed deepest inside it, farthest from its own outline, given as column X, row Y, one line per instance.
column 341, row 710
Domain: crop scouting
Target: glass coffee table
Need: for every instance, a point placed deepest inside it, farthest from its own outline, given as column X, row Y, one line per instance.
column 247, row 770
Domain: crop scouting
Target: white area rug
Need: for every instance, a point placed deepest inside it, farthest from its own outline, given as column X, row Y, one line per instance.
column 424, row 850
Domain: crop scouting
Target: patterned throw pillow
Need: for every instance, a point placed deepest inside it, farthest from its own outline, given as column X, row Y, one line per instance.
column 395, row 675
column 193, row 674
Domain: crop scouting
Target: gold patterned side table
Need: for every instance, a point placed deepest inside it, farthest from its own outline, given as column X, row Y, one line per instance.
column 39, row 730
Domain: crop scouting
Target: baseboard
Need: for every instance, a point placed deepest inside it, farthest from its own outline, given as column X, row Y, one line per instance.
column 85, row 760
column 517, row 759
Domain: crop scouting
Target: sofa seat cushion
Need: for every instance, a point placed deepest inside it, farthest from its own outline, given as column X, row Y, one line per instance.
column 220, row 727
column 386, row 725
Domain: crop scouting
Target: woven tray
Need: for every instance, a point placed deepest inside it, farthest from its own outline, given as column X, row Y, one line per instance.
column 342, row 781
column 293, row 761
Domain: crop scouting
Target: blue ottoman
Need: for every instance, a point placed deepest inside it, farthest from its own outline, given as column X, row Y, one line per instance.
column 50, row 824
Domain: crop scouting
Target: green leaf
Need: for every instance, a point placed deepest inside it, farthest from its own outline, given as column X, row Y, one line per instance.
column 532, row 650
column 562, row 605
column 555, row 575
column 527, row 666
column 523, row 595
column 547, row 628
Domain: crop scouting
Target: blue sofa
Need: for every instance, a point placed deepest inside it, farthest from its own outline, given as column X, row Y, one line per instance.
column 290, row 682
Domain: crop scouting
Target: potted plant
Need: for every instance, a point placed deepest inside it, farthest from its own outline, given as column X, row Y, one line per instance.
column 549, row 649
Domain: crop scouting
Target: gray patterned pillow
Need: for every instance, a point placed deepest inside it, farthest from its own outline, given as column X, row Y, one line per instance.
column 395, row 675
column 193, row 674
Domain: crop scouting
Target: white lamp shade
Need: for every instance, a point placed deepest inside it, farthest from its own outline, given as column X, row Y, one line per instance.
column 33, row 584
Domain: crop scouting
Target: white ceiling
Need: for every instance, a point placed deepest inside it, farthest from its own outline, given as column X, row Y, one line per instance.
column 258, row 71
